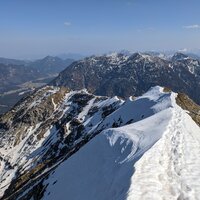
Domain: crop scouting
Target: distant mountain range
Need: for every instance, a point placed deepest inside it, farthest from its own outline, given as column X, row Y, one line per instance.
column 121, row 74
column 195, row 53
column 74, row 56
column 8, row 61
column 75, row 139
column 50, row 65
column 18, row 77
column 125, row 75
column 13, row 75
column 15, row 72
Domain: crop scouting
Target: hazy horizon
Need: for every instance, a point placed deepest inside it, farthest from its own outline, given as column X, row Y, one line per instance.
column 35, row 29
column 74, row 55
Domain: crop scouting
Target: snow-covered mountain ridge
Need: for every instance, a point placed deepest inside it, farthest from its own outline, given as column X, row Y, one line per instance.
column 125, row 75
column 58, row 143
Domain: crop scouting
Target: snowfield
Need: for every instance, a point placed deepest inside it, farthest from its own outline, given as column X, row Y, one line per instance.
column 170, row 169
column 155, row 158
column 144, row 148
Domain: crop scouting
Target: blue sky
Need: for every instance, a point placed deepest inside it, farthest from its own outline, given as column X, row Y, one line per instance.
column 35, row 28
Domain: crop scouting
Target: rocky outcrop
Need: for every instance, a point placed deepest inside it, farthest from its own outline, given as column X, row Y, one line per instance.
column 187, row 104
column 44, row 129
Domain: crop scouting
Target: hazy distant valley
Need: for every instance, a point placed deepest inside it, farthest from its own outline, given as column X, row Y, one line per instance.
column 19, row 78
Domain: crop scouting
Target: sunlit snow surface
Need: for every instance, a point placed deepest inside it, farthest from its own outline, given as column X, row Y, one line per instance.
column 154, row 158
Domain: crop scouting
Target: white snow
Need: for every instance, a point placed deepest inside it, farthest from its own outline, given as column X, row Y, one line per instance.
column 154, row 158
column 86, row 109
column 54, row 105
column 147, row 57
column 142, row 107
column 116, row 59
column 103, row 168
column 192, row 66
column 170, row 169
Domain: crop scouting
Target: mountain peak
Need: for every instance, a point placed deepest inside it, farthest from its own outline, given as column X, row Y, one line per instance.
column 180, row 56
column 51, row 58
column 121, row 75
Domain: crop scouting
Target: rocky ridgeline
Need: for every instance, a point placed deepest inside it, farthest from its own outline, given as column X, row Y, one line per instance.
column 123, row 75
column 49, row 126
column 44, row 129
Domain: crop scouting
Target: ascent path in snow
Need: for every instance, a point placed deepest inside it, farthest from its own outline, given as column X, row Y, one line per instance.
column 170, row 169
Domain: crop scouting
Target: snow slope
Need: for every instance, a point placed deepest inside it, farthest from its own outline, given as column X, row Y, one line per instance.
column 103, row 168
column 153, row 158
column 173, row 173
column 101, row 148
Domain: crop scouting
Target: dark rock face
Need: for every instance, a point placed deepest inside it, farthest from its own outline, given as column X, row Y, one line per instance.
column 179, row 57
column 187, row 104
column 132, row 75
